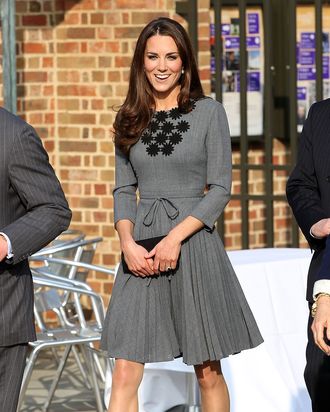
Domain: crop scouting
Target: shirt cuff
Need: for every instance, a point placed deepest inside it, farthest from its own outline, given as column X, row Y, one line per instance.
column 10, row 250
column 321, row 286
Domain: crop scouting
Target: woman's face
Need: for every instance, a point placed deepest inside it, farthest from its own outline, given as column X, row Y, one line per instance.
column 162, row 65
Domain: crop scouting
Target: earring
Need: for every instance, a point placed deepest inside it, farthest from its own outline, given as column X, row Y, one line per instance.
column 182, row 70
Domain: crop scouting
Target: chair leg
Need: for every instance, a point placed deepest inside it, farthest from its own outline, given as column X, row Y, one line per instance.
column 98, row 364
column 98, row 398
column 27, row 375
column 57, row 377
column 193, row 393
column 81, row 368
column 84, row 352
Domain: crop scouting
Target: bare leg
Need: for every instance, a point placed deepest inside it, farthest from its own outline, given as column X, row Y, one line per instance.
column 126, row 379
column 214, row 392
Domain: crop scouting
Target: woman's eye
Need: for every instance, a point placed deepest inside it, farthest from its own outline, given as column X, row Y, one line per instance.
column 151, row 57
column 172, row 57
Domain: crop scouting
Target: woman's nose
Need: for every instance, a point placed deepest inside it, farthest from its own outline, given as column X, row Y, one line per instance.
column 162, row 65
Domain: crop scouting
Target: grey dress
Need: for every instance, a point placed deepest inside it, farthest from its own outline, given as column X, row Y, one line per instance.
column 198, row 311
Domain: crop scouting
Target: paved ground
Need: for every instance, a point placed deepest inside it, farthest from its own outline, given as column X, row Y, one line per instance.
column 71, row 394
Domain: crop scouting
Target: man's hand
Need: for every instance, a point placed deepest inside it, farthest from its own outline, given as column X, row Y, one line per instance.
column 3, row 248
column 321, row 228
column 322, row 322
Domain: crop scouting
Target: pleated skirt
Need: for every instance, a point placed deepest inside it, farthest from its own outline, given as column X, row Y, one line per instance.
column 198, row 311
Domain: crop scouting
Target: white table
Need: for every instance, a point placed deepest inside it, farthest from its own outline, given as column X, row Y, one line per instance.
column 268, row 378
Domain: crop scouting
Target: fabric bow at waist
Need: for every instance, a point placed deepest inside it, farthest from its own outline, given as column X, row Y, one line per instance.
column 171, row 210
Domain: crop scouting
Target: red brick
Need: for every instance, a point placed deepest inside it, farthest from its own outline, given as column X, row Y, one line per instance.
column 84, row 19
column 105, row 4
column 97, row 104
column 107, row 203
column 104, row 33
column 47, row 62
column 76, row 62
column 50, row 118
column 123, row 61
column 104, row 62
column 82, row 5
column 35, row 48
column 100, row 217
column 21, row 6
column 126, row 18
column 98, row 133
column 81, row 33
column 100, row 189
column 97, row 47
column 69, row 160
column 35, row 77
column 135, row 4
column 35, row 118
column 77, row 146
column 114, row 76
column 143, row 17
column 98, row 76
column 108, row 231
column 34, row 20
column 84, row 47
column 69, row 132
column 97, row 18
column 48, row 5
column 35, row 7
column 76, row 90
column 68, row 76
column 68, row 47
column 127, row 32
column 49, row 146
column 106, row 90
column 68, row 104
column 77, row 118
column 71, row 18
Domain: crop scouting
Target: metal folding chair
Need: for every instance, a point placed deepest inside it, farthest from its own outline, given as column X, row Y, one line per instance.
column 50, row 338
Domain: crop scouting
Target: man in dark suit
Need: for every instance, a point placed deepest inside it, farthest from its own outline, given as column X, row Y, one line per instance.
column 33, row 211
column 308, row 193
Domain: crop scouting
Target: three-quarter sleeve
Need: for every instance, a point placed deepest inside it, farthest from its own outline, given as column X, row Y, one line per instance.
column 124, row 193
column 219, row 169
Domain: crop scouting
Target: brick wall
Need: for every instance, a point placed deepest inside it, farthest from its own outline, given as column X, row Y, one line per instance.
column 73, row 62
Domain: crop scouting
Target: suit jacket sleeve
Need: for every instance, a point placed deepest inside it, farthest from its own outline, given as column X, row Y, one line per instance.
column 124, row 193
column 219, row 169
column 34, row 180
column 324, row 272
column 302, row 188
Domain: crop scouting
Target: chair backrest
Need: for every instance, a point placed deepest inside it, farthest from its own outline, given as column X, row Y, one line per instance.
column 48, row 296
column 79, row 251
column 46, row 300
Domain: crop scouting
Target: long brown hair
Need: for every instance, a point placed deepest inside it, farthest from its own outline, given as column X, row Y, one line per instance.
column 135, row 114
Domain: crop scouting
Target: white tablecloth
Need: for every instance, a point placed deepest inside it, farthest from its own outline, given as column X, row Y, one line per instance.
column 268, row 378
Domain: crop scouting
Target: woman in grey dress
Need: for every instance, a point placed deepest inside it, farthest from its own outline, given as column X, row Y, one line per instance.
column 181, row 298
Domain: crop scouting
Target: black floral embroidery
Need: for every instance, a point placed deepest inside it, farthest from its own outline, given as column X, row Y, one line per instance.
column 153, row 149
column 183, row 126
column 167, row 149
column 167, row 127
column 161, row 116
column 161, row 137
column 146, row 137
column 165, row 131
column 153, row 126
column 175, row 138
